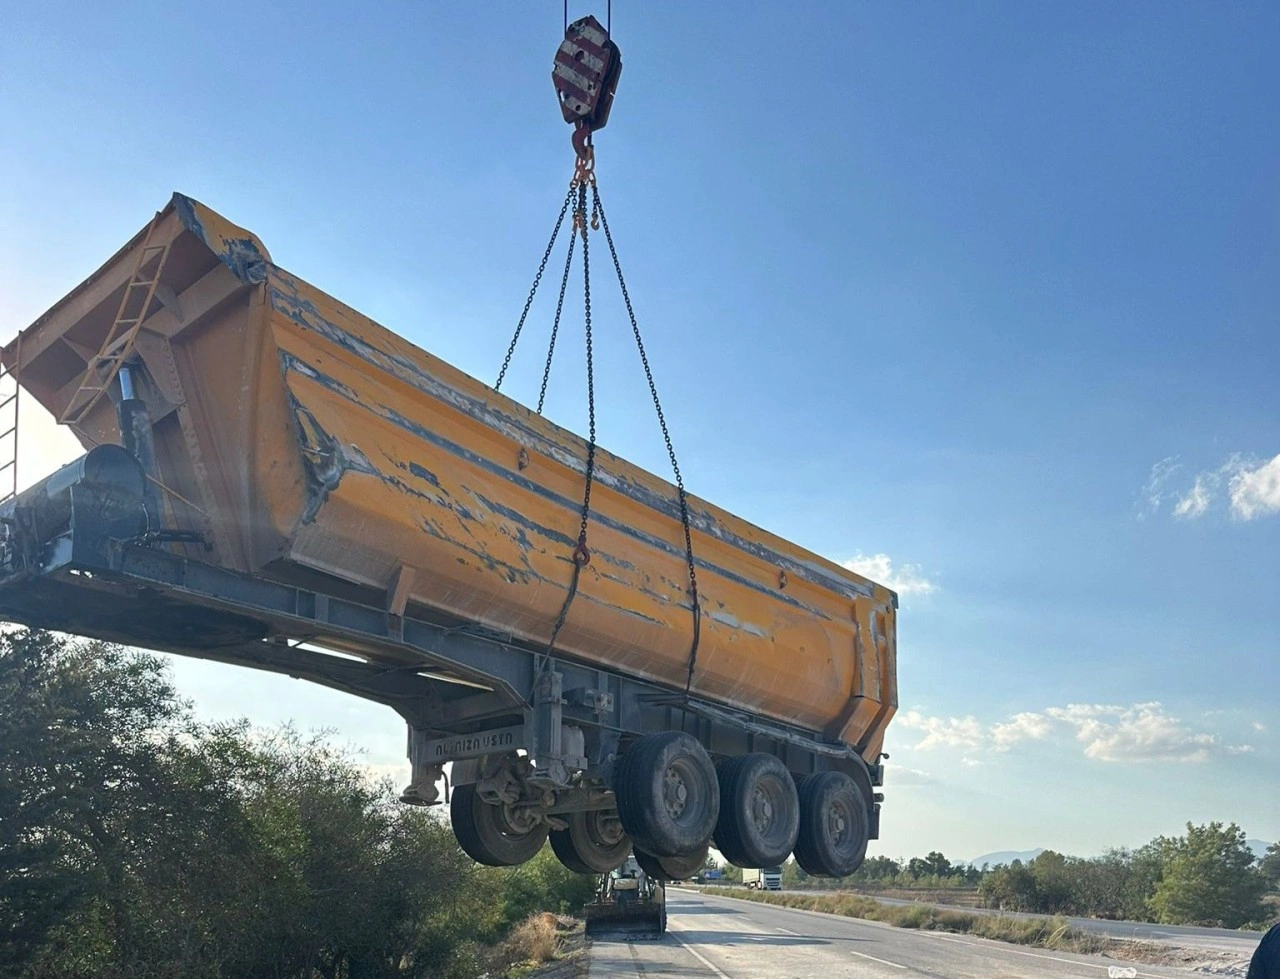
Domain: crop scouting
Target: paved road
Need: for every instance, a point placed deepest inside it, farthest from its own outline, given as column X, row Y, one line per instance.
column 1225, row 939
column 724, row 938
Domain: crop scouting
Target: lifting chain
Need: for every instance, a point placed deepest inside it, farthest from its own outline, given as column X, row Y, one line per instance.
column 585, row 76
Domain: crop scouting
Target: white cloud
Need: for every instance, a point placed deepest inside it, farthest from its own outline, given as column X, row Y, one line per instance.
column 909, row 776
column 1259, row 727
column 949, row 732
column 1156, row 493
column 1255, row 491
column 1197, row 501
column 1143, row 732
column 1021, row 727
column 905, row 579
column 1250, row 486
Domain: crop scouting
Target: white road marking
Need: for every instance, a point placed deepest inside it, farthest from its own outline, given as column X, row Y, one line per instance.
column 786, row 931
column 696, row 954
column 864, row 955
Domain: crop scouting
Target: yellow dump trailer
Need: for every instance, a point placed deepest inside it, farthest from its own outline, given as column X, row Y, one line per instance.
column 315, row 484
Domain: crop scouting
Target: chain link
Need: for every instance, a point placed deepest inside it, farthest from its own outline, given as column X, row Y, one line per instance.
column 537, row 279
column 597, row 211
column 582, row 556
column 555, row 324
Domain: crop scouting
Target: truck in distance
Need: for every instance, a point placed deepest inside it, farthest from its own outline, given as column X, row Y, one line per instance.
column 763, row 878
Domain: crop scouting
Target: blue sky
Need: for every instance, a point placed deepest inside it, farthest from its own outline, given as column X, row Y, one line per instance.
column 983, row 295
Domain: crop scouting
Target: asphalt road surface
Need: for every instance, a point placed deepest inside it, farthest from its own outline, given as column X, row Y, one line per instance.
column 724, row 938
column 1224, row 939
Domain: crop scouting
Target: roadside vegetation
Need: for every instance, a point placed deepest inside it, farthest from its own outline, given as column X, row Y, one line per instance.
column 135, row 841
column 1208, row 876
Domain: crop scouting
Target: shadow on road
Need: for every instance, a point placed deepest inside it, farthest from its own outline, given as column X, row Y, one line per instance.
column 682, row 909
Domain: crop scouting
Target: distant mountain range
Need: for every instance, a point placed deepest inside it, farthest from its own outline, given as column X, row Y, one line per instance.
column 1006, row 857
column 1259, row 847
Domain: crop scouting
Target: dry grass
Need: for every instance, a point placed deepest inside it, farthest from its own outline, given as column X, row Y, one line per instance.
column 537, row 940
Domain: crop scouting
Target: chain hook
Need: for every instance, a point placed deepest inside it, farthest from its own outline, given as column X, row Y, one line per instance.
column 584, row 168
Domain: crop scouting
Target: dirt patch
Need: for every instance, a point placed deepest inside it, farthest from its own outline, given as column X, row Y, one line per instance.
column 1208, row 962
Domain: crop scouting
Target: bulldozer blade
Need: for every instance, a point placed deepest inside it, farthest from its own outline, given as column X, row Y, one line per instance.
column 643, row 921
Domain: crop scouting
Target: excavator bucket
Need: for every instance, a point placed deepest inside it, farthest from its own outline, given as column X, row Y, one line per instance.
column 628, row 905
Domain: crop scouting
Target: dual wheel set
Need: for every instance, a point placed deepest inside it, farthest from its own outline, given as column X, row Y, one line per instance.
column 673, row 803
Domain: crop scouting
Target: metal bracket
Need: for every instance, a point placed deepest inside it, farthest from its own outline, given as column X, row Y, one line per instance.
column 594, row 700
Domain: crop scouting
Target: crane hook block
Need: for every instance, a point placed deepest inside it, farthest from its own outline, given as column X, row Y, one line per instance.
column 585, row 75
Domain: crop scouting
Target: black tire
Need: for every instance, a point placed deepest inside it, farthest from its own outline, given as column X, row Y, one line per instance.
column 834, row 826
column 671, row 868
column 487, row 833
column 668, row 794
column 724, row 837
column 593, row 842
column 759, row 811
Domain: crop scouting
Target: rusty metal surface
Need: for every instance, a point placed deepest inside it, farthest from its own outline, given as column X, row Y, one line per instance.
column 298, row 433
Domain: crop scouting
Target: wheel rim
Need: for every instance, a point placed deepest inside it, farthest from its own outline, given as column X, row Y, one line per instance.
column 841, row 825
column 517, row 822
column 604, row 828
column 682, row 790
column 766, row 803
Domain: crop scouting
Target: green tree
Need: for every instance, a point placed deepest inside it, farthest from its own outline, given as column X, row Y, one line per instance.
column 1056, row 882
column 1011, row 888
column 933, row 865
column 1209, row 878
column 1270, row 866
column 878, row 868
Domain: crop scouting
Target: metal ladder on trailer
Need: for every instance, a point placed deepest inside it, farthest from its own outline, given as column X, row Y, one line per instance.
column 9, row 427
column 118, row 345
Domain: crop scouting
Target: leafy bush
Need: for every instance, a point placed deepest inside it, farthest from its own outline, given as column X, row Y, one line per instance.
column 136, row 842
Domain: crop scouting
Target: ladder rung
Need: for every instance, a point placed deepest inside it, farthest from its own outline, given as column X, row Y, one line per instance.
column 115, row 344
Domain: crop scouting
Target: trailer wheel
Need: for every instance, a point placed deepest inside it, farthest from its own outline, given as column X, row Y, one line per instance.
column 834, row 828
column 668, row 794
column 494, row 835
column 593, row 843
column 671, row 868
column 759, row 811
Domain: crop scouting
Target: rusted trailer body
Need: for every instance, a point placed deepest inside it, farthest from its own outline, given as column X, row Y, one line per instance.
column 306, row 446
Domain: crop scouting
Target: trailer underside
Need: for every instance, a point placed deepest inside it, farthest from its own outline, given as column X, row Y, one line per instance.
column 479, row 700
